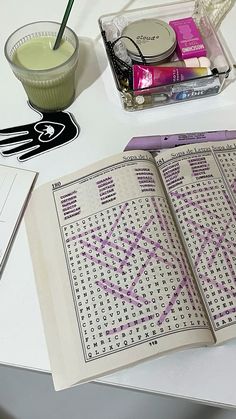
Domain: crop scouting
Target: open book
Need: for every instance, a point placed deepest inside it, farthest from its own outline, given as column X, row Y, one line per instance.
column 135, row 256
column 15, row 188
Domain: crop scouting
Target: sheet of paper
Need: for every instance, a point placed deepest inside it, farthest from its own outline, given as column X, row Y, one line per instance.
column 15, row 186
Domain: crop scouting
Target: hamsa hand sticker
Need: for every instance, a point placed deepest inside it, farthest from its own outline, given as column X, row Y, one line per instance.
column 53, row 130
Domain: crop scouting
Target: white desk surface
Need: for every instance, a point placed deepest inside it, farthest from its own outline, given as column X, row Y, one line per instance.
column 206, row 374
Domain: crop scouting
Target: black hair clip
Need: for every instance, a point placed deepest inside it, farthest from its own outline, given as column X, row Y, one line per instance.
column 123, row 70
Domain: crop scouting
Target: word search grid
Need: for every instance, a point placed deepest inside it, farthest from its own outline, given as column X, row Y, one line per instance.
column 128, row 272
column 205, row 209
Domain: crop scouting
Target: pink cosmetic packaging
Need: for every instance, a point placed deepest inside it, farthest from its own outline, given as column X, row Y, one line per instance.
column 189, row 40
column 146, row 76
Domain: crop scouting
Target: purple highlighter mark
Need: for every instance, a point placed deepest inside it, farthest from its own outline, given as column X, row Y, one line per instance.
column 115, row 246
column 144, row 265
column 130, row 324
column 193, row 204
column 165, row 227
column 209, row 237
column 80, row 235
column 126, row 291
column 222, row 236
column 212, row 236
column 233, row 186
column 135, row 243
column 120, row 263
column 171, row 302
column 222, row 287
column 224, row 313
column 217, row 247
column 154, row 244
column 101, row 263
column 189, row 282
column 118, row 294
column 230, row 204
column 102, row 252
column 114, row 225
column 204, row 242
column 121, row 290
column 148, row 318
column 163, row 224
column 151, row 254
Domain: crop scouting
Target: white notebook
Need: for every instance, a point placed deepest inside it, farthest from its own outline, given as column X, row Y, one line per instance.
column 15, row 187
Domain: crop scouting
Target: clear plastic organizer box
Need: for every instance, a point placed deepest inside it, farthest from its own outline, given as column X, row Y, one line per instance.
column 112, row 26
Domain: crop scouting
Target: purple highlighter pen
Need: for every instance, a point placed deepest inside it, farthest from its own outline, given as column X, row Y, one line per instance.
column 157, row 142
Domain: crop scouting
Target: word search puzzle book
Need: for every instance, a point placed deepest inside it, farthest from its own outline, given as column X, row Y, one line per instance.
column 135, row 256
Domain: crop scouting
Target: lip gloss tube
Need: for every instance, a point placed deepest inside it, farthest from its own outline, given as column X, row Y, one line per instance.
column 151, row 76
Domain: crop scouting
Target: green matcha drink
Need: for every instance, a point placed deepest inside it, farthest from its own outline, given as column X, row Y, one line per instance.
column 38, row 53
column 47, row 75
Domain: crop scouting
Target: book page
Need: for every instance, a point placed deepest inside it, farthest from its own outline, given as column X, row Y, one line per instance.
column 15, row 186
column 201, row 184
column 113, row 281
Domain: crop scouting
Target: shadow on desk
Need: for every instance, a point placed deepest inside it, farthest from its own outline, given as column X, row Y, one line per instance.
column 5, row 415
column 88, row 69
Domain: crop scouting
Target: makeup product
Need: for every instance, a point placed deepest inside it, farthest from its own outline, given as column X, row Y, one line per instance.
column 154, row 37
column 151, row 76
column 189, row 40
column 190, row 62
column 156, row 142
